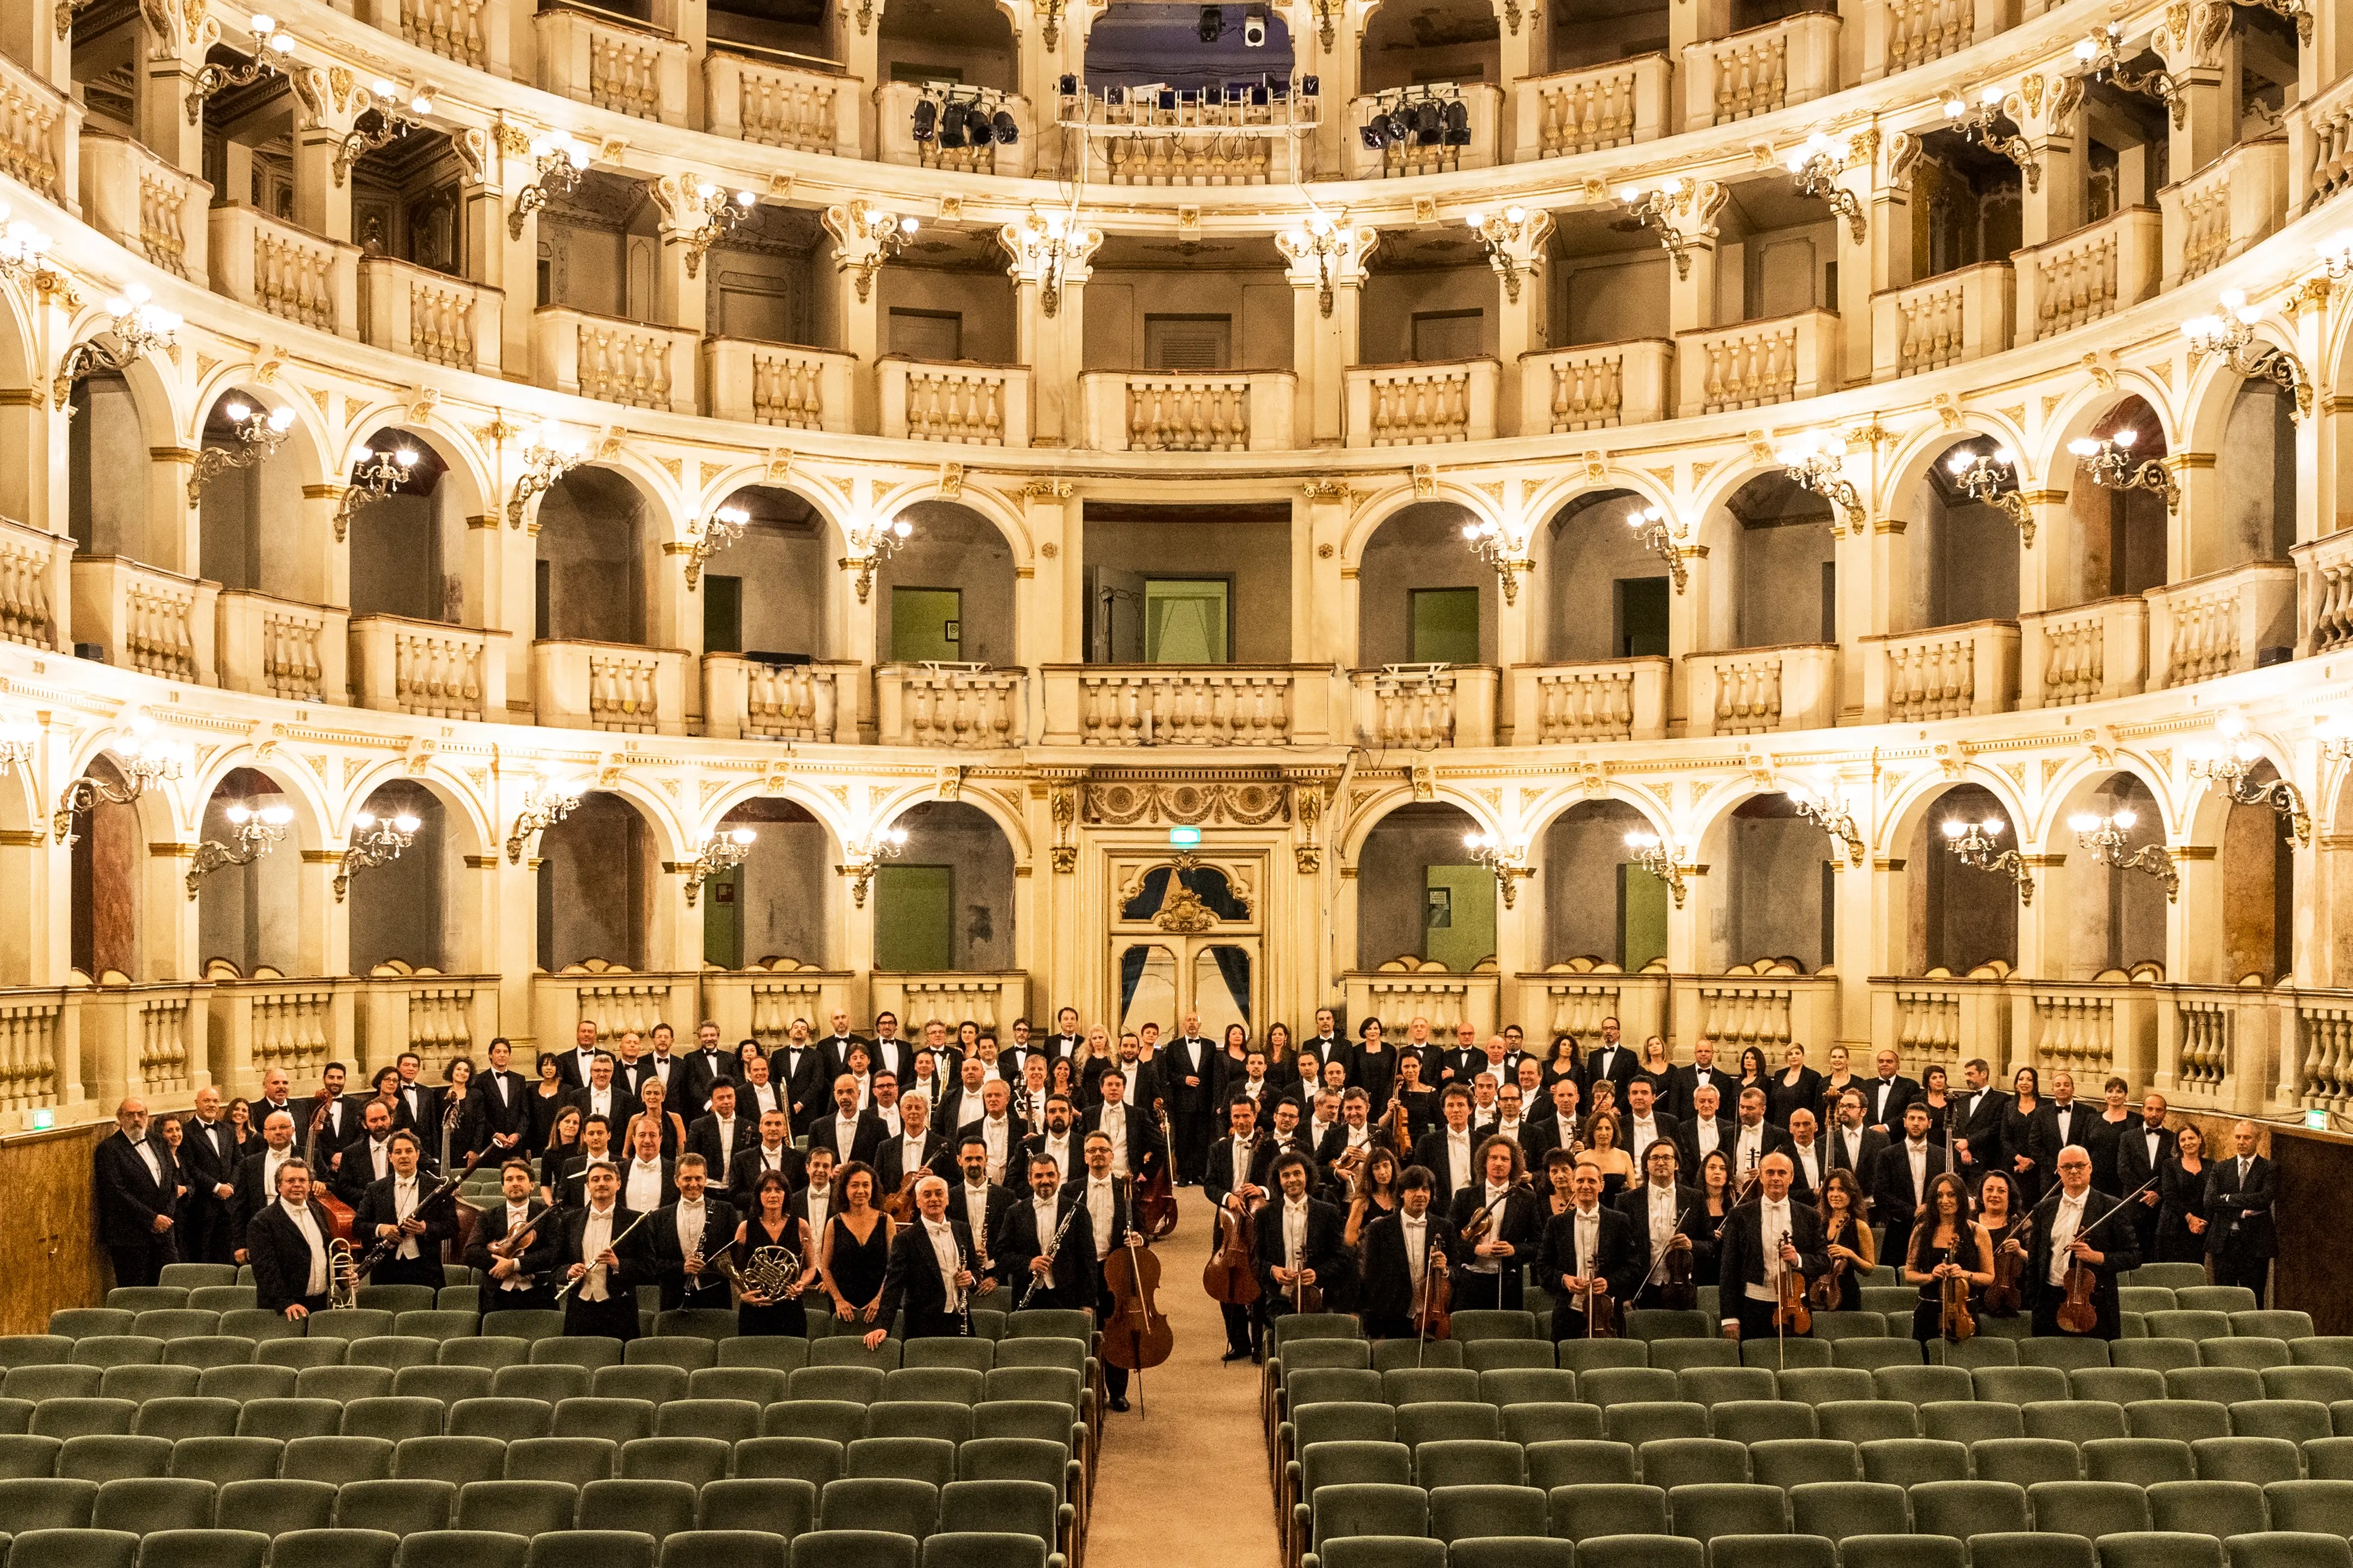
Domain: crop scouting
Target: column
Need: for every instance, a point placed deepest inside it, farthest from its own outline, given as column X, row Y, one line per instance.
column 2206, row 80
column 1525, row 55
column 689, row 21
column 509, row 947
column 1523, row 324
column 848, row 313
column 1039, row 60
column 858, row 43
column 1854, row 932
column 1327, row 273
column 1050, row 599
column 1690, row 22
column 1322, row 606
column 1690, row 289
column 29, row 34
column 1332, row 51
column 681, row 294
column 1517, row 625
column 1048, row 256
column 2053, row 196
column 323, row 191
column 2201, row 495
column 505, row 241
column 1877, row 174
column 2046, row 570
column 326, row 944
column 167, row 65
column 482, row 219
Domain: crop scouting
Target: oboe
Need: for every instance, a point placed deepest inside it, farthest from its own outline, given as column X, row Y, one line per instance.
column 1053, row 1250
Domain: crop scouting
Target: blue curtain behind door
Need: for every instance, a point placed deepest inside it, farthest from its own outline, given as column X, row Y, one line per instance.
column 1234, row 966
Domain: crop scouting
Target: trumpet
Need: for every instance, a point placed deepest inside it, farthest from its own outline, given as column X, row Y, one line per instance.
column 342, row 1275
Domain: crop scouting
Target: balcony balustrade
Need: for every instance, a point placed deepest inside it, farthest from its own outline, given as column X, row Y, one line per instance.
column 1898, row 35
column 1416, row 707
column 745, row 699
column 1952, row 317
column 36, row 578
column 992, row 1000
column 2320, row 146
column 614, row 360
column 1136, row 411
column 773, row 105
column 40, row 130
column 1942, row 1019
column 1754, row 364
column 2219, row 624
column 253, row 1026
column 157, row 623
column 1591, row 110
column 1951, row 672
column 2095, row 1031
column 2223, row 208
column 760, row 1002
column 613, row 998
column 1567, row 704
column 1768, row 1011
column 613, row 63
column 1757, row 690
column 287, row 649
column 40, row 1054
column 400, row 665
column 782, row 385
column 2323, row 593
column 949, row 705
column 144, row 205
column 1572, row 998
column 429, row 315
column 2218, row 1048
column 615, row 687
column 963, row 403
column 2101, row 269
column 1595, row 387
column 471, row 33
column 2085, row 653
column 1421, row 404
column 1405, row 989
column 140, row 1039
column 1185, row 705
column 1185, row 139
column 438, row 1016
column 258, row 260
column 1794, row 61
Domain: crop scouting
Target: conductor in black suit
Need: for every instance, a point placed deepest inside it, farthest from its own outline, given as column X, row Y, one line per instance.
column 1610, row 1062
column 1588, row 1248
column 135, row 1175
column 2240, row 1235
column 288, row 1241
column 2143, row 1147
column 1762, row 1239
column 1399, row 1250
column 1489, row 1270
column 1301, row 1241
column 930, row 1276
column 387, row 1214
column 2070, row 1229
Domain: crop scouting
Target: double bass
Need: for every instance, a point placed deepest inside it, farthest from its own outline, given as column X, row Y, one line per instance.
column 1155, row 1199
column 338, row 1212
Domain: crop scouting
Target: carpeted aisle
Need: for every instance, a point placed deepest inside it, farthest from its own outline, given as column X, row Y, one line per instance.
column 1186, row 1478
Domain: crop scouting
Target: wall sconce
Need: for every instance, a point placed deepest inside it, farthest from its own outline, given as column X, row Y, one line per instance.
column 1977, row 122
column 256, row 436
column 1992, row 477
column 2109, row 462
column 721, row 213
column 1818, row 466
column 2100, row 56
column 143, row 761
column 1657, row 209
column 723, row 852
column 1497, row 233
column 1507, row 860
column 560, row 162
column 1661, row 859
column 1042, row 244
column 877, row 236
column 271, row 43
column 18, row 742
column 871, row 547
column 1972, row 842
column 548, row 454
column 24, row 249
column 2105, row 837
column 861, row 856
column 138, row 325
column 2335, row 255
column 255, row 831
column 375, row 841
column 1663, row 537
column 1827, row 811
column 1497, row 549
column 374, row 475
column 2227, row 766
column 2335, row 733
column 2231, row 333
column 544, row 805
column 1322, row 238
column 1814, row 168
column 708, row 538
column 393, row 120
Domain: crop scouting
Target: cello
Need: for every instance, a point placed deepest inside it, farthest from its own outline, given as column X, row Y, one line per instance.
column 1136, row 1333
column 1230, row 1276
column 1154, row 1200
column 1433, row 1302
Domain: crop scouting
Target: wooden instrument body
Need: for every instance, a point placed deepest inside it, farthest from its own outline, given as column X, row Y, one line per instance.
column 1790, row 1315
column 1136, row 1334
column 2006, row 1297
column 1231, row 1275
column 1957, row 1324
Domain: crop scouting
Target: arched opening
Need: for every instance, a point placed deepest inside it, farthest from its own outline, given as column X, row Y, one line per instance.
column 1138, row 44
column 945, row 903
column 1419, row 893
column 1598, row 902
column 597, row 871
column 2257, row 861
column 947, row 594
column 777, row 902
column 409, row 205
column 1431, row 42
column 406, row 546
column 2121, row 532
column 1774, row 899
column 2254, row 484
column 106, row 436
column 2106, row 919
column 594, row 528
column 1964, row 552
column 969, row 42
column 411, row 908
column 1772, row 583
column 768, row 595
column 110, row 853
column 252, row 532
column 1958, row 917
column 1423, row 597
column 1606, row 596
column 250, row 916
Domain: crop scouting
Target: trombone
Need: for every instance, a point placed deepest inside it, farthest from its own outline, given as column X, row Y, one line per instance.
column 342, row 1275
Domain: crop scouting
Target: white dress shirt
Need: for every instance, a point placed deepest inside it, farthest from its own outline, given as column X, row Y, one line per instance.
column 595, row 1236
column 1748, row 1147
column 1102, row 1200
column 1809, row 1163
column 944, row 1247
column 1458, row 1160
column 518, row 1216
column 1416, row 1245
column 315, row 1282
column 2065, row 1224
column 148, row 1157
column 1588, row 1227
column 975, row 1216
column 1772, row 1229
column 1494, row 1199
column 1660, row 1213
column 271, row 1160
column 820, row 1206
column 404, row 1204
column 693, row 1218
column 1115, row 1127
column 1244, row 1148
column 997, row 1133
column 1917, row 1153
column 1705, row 1135
column 1057, row 1148
column 641, row 1190
column 910, row 1155
column 379, row 1158
column 1295, row 1230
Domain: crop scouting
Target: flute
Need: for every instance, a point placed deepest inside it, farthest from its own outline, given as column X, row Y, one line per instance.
column 613, row 1246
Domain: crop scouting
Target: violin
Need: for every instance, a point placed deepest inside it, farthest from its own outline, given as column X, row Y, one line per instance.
column 1155, row 1199
column 1790, row 1315
column 1231, row 1275
column 2077, row 1315
column 1956, row 1325
column 1600, row 1311
column 1136, row 1334
column 1825, row 1291
column 1433, row 1303
column 901, row 1206
column 1400, row 1126
column 2005, row 1297
column 1678, row 1286
column 1304, row 1296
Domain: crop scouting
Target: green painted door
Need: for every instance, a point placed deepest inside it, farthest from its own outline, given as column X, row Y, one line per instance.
column 1641, row 917
column 1186, row 621
column 1458, row 916
column 1445, row 625
column 1641, row 616
column 722, row 920
column 926, row 623
column 722, row 614
column 915, row 918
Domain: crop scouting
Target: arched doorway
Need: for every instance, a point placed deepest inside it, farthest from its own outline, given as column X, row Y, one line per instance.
column 410, row 909
column 2105, row 920
column 1599, row 903
column 1957, row 916
column 1419, row 893
column 1776, row 892
column 250, row 916
column 948, row 594
column 597, row 870
column 945, row 903
column 777, row 903
column 1188, row 939
column 1423, row 597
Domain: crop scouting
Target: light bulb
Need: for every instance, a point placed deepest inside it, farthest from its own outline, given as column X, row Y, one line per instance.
column 902, row 528
column 1515, row 214
column 1296, row 239
column 283, row 43
column 908, row 224
column 2123, row 819
column 281, row 419
column 2125, row 438
column 1993, row 825
column 1960, row 464
column 405, row 456
column 1991, row 96
column 2005, row 457
column 2233, row 299
column 364, row 820
column 238, row 815
column 1475, row 219
column 238, row 412
column 706, row 190
column 263, row 25
column 1955, row 827
column 1632, row 194
column 745, row 199
column 2084, row 447
column 2083, row 822
column 405, row 822
column 2086, row 49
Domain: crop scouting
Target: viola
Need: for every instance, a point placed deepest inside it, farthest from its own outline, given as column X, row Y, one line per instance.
column 1433, row 1303
column 1600, row 1311
column 2077, row 1315
column 1956, row 1325
column 1155, row 1197
column 1135, row 1335
column 2005, row 1297
column 901, row 1206
column 1678, row 1288
column 1231, row 1275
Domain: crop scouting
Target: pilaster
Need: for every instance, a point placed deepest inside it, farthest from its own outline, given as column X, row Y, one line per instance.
column 1327, row 261
column 1047, row 254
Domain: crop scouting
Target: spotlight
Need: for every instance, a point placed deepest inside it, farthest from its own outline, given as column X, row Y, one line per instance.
column 1311, row 87
column 1427, row 128
column 1458, row 124
column 1005, row 131
column 1254, row 27
column 1213, row 24
column 953, row 121
column 1066, row 85
column 927, row 120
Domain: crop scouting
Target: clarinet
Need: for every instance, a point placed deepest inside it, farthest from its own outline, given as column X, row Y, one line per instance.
column 1053, row 1251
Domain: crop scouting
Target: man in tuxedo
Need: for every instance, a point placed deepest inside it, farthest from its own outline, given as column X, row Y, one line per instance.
column 1133, row 1135
column 1450, row 1151
column 1188, row 1081
column 705, row 1067
column 1418, row 1045
column 1977, row 1132
column 257, row 1178
column 834, row 1046
column 1459, row 1062
column 596, row 1148
column 849, row 1132
column 136, row 1176
column 2071, row 1232
column 1229, row 1181
column 388, row 1212
column 422, row 1101
column 2142, row 1148
column 984, row 1207
column 1705, row 1132
column 600, row 1096
column 930, row 1276
column 813, row 1204
column 1810, row 1157
column 916, row 1147
column 962, row 1105
column 2063, row 1119
column 1885, row 1096
column 1686, row 1080
column 887, row 1052
column 1559, row 1122
column 647, row 1182
column 369, row 1159
column 664, row 1063
column 1644, row 1123
column 1762, row 1240
column 276, row 1087
column 521, row 1283
column 1509, row 1122
column 687, row 1234
column 1300, row 1241
column 1588, row 1248
column 774, row 1151
column 1899, row 1185
column 719, row 1134
column 1063, row 1043
column 629, row 1067
column 1009, row 1059
column 1663, row 1212
column 288, row 1243
column 324, row 1138
column 1855, row 1144
column 1399, row 1248
column 1033, row 1257
column 2241, row 1239
column 1612, row 1062
column 1328, row 1044
column 1356, row 1130
column 1281, row 1138
column 572, row 1067
column 999, row 1133
column 604, row 1261
column 1057, row 1142
column 499, row 1103
column 1752, row 1137
column 207, row 1156
column 1488, row 1271
column 759, row 1092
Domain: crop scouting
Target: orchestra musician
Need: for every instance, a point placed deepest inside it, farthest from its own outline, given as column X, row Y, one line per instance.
column 930, row 1276
column 687, row 1234
column 1663, row 1211
column 1299, row 1241
column 520, row 1283
column 1763, row 1238
column 603, row 1261
column 1488, row 1275
column 1032, row 1247
column 1587, row 1248
column 1228, row 1181
column 1109, row 1226
column 388, row 1209
column 2063, row 1215
column 287, row 1242
column 1398, row 1248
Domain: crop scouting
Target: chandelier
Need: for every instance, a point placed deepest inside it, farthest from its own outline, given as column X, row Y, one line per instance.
column 1507, row 860
column 138, row 326
column 1814, row 168
column 1980, row 122
column 723, row 852
column 271, row 43
column 718, row 213
column 862, row 857
column 1322, row 238
column 712, row 534
column 253, row 832
column 1818, row 466
column 374, row 475
column 2102, row 58
column 2105, row 837
column 393, row 119
column 1498, row 232
column 1828, row 812
column 548, row 454
column 256, row 434
column 2228, row 766
column 1973, row 844
column 1657, row 209
column 559, row 161
column 1663, row 537
column 872, row 236
column 1992, row 477
column 142, row 759
column 2109, row 462
column 871, row 547
column 544, row 805
column 2231, row 333
column 1508, row 557
column 1661, row 858
column 375, row 841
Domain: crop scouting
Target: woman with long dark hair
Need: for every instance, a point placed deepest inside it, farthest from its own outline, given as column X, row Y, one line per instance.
column 546, row 1099
column 1707, row 1230
column 772, row 1222
column 2021, row 1137
column 2181, row 1214
column 1944, row 1242
column 1849, row 1240
column 857, row 1251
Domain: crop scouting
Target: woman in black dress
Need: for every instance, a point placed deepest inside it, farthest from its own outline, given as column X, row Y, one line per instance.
column 1834, row 1082
column 546, row 1103
column 2181, row 1200
column 1950, row 1243
column 1376, row 1067
column 1707, row 1231
column 773, row 1224
column 1754, row 1074
column 2021, row 1135
column 1850, row 1238
column 1937, row 1095
column 857, row 1252
column 1999, row 1214
column 562, row 1143
column 1372, row 1194
column 1605, row 1147
column 1659, row 1068
column 1796, row 1086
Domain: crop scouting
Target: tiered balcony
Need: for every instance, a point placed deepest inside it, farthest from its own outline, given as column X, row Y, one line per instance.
column 473, row 33
column 1898, row 35
column 2223, row 208
column 36, row 577
column 612, row 63
column 1756, row 363
column 1769, row 1010
column 285, row 648
column 1136, row 411
column 615, row 687
column 40, row 130
column 429, row 315
column 1794, row 61
column 157, row 623
column 1758, row 690
column 2219, row 624
column 1404, row 159
column 968, row 708
column 144, row 205
column 2094, row 1030
column 1405, row 989
column 2218, row 1046
column 1952, row 672
column 895, row 119
column 763, row 101
column 400, row 665
column 1421, row 404
column 783, row 385
column 439, row 1016
column 1595, row 387
column 1566, row 704
column 614, row 360
column 1178, row 705
column 2321, row 146
column 1955, row 316
column 289, row 272
column 1587, row 110
column 1572, row 998
column 744, row 699
column 991, row 1000
column 964, row 404
column 1412, row 707
column 761, row 1002
column 2324, row 592
column 2101, row 269
column 613, row 999
column 2086, row 653
column 1140, row 140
